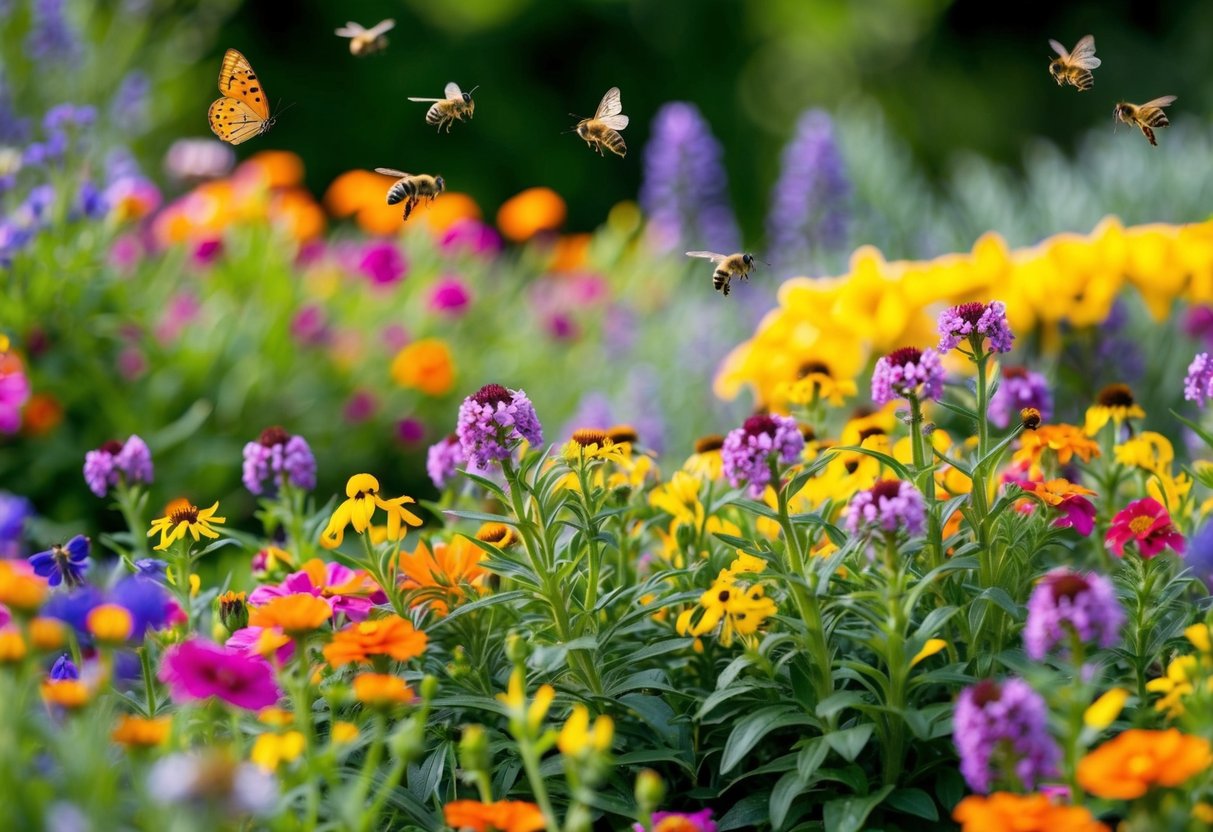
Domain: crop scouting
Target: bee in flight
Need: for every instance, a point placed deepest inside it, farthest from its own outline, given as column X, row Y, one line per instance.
column 1146, row 116
column 411, row 188
column 446, row 111
column 1074, row 68
column 728, row 266
column 366, row 41
column 603, row 129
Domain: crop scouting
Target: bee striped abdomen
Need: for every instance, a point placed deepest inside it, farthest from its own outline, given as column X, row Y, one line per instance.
column 615, row 143
column 1083, row 80
column 434, row 115
column 399, row 192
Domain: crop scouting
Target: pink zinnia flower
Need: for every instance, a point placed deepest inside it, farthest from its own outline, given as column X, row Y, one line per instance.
column 382, row 263
column 470, row 236
column 198, row 669
column 1147, row 523
column 247, row 641
column 450, row 297
column 700, row 821
column 14, row 393
column 347, row 591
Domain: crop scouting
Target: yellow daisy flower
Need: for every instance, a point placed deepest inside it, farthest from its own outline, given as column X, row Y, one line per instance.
column 185, row 518
column 362, row 493
column 1114, row 404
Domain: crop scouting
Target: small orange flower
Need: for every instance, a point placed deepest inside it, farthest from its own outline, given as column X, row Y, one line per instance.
column 1005, row 812
column 438, row 216
column 301, row 612
column 1126, row 767
column 12, row 646
column 380, row 690
column 1065, row 441
column 1055, row 492
column 47, row 633
column 501, row 815
column 425, row 365
column 294, row 211
column 570, row 252
column 273, row 169
column 530, row 212
column 140, row 732
column 362, row 194
column 20, row 588
column 388, row 636
column 439, row 576
column 42, row 414
column 110, row 623
column 66, row 693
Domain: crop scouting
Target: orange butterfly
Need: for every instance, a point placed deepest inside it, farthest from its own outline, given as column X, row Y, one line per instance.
column 244, row 110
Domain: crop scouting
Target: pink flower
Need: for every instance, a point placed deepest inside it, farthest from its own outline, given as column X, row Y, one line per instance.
column 359, row 407
column 382, row 263
column 470, row 236
column 309, row 326
column 347, row 591
column 450, row 297
column 14, row 393
column 700, row 821
column 1147, row 523
column 410, row 431
column 182, row 309
column 206, row 252
column 247, row 640
column 198, row 669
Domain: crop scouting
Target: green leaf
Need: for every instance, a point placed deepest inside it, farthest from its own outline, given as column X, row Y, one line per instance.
column 753, row 727
column 482, row 517
column 810, row 757
column 1197, row 429
column 949, row 788
column 488, row 601
column 656, row 713
column 831, row 705
column 914, row 802
column 849, row 814
column 750, row 812
column 850, row 741
column 889, row 462
column 787, row 789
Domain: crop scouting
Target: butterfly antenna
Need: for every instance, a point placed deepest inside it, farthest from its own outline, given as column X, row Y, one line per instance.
column 282, row 109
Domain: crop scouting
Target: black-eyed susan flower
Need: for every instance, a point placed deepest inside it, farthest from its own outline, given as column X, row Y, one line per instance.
column 707, row 461
column 589, row 443
column 1115, row 404
column 815, row 382
column 185, row 518
column 362, row 493
column 736, row 608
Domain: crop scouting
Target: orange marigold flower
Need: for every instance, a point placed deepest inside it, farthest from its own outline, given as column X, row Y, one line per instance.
column 300, row 612
column 390, row 636
column 381, row 690
column 1055, row 492
column 110, row 623
column 42, row 414
column 440, row 576
column 47, row 633
column 20, row 588
column 441, row 214
column 66, row 693
column 140, row 732
column 273, row 168
column 362, row 194
column 501, row 815
column 524, row 215
column 570, row 252
column 1005, row 812
column 1124, row 768
column 12, row 646
column 1065, row 441
column 425, row 365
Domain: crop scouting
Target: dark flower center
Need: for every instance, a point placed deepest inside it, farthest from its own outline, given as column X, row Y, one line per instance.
column 186, row 514
column 862, row 412
column 706, row 444
column 452, row 439
column 970, row 313
column 113, row 447
column 1068, row 586
column 872, row 431
column 589, row 436
column 758, row 425
column 492, row 394
column 1116, row 395
column 723, row 596
column 985, row 692
column 904, row 356
column 621, row 434
column 493, row 533
column 852, row 465
column 1015, row 372
column 273, row 436
column 810, row 367
column 886, row 489
column 807, row 432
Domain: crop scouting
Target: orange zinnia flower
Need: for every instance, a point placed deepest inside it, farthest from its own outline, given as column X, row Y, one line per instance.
column 388, row 636
column 380, row 690
column 425, row 365
column 1126, row 767
column 524, row 215
column 501, row 815
column 440, row 575
column 20, row 588
column 66, row 693
column 1055, row 492
column 140, row 732
column 1065, row 441
column 1005, row 812
column 272, row 168
column 442, row 213
column 301, row 612
column 363, row 195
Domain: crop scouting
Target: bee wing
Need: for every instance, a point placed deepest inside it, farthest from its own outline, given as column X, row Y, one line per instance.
column 615, row 122
column 399, row 174
column 452, row 91
column 709, row 255
column 381, row 27
column 610, row 104
column 1058, row 48
column 426, row 99
column 350, row 30
column 1158, row 103
column 1083, row 55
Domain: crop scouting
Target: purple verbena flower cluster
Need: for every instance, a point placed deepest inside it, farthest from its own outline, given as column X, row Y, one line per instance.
column 1067, row 603
column 492, row 421
column 1018, row 388
column 684, row 192
column 907, row 372
column 277, row 455
column 443, row 459
column 115, row 462
column 51, row 37
column 809, row 201
column 959, row 323
column 1198, row 384
column 1001, row 732
column 889, row 506
column 748, row 450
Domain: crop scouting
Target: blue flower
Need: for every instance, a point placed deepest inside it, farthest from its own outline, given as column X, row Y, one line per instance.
column 14, row 510
column 64, row 668
column 150, row 568
column 63, row 564
column 73, row 607
column 147, row 602
column 90, row 202
column 1200, row 555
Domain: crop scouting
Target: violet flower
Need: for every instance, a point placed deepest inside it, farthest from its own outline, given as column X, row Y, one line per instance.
column 749, row 450
column 1067, row 604
column 1001, row 733
column 809, row 201
column 493, row 421
column 278, row 457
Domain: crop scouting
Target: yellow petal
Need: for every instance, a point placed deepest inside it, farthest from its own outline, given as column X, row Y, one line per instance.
column 933, row 646
column 1198, row 634
column 1105, row 709
column 539, row 706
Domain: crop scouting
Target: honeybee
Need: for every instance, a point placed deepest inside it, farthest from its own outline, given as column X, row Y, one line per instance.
column 728, row 266
column 1074, row 68
column 603, row 129
column 411, row 188
column 1146, row 116
column 453, row 108
column 366, row 41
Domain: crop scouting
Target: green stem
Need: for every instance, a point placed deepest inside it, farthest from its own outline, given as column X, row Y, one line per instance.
column 303, row 719
column 128, row 505
column 369, row 766
column 530, row 762
column 145, row 660
column 898, row 664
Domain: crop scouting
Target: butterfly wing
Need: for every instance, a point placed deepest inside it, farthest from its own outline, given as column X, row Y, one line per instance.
column 610, row 104
column 1058, row 48
column 709, row 255
column 452, row 91
column 382, row 27
column 233, row 121
column 350, row 30
column 238, row 80
column 1083, row 55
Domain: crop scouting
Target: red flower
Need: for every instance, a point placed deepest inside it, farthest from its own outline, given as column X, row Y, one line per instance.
column 1147, row 523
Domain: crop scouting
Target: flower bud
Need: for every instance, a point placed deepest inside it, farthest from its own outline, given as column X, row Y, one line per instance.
column 474, row 749
column 233, row 611
column 650, row 790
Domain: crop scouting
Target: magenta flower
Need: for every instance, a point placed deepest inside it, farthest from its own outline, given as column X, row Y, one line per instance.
column 382, row 263
column 206, row 252
column 182, row 310
column 115, row 462
column 889, row 506
column 700, row 821
column 907, row 372
column 309, row 326
column 471, row 237
column 360, row 407
column 1198, row 384
column 14, row 393
column 410, row 431
column 1067, row 603
column 974, row 322
column 1146, row 523
column 247, row 641
column 349, row 592
column 449, row 296
column 748, row 451
column 198, row 669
